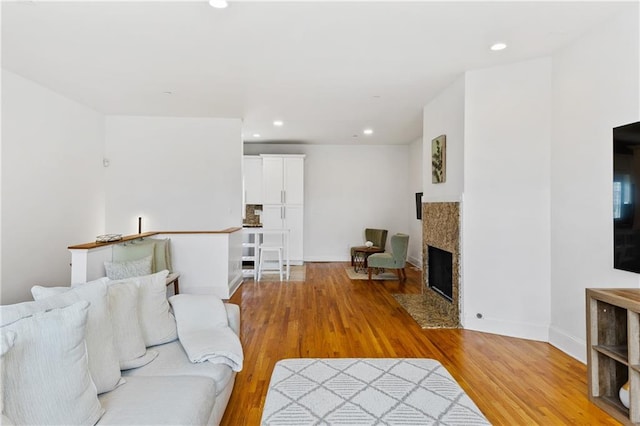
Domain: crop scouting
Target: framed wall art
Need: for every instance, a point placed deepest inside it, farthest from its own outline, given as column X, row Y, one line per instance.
column 438, row 159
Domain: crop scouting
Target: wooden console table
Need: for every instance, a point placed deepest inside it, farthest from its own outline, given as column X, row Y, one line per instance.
column 174, row 278
column 613, row 350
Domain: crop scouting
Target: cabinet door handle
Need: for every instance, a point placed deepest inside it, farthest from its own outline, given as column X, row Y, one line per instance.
column 282, row 213
column 282, row 196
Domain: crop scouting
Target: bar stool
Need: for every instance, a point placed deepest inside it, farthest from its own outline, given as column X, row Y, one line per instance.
column 261, row 266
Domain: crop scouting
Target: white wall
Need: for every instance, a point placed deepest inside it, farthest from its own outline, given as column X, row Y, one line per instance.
column 505, row 224
column 349, row 188
column 52, row 184
column 444, row 115
column 179, row 174
column 596, row 87
column 414, row 254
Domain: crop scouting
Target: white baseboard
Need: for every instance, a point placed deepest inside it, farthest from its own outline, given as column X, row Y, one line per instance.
column 415, row 261
column 327, row 258
column 571, row 345
column 235, row 283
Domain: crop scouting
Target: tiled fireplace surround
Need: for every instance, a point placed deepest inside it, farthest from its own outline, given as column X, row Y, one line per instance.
column 441, row 229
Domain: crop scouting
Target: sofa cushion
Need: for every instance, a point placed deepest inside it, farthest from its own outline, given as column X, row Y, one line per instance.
column 233, row 315
column 159, row 248
column 161, row 252
column 129, row 268
column 178, row 400
column 104, row 364
column 128, row 338
column 129, row 251
column 47, row 375
column 7, row 339
column 157, row 323
column 172, row 361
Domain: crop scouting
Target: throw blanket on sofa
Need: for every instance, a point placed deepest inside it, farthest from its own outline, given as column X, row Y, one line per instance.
column 204, row 332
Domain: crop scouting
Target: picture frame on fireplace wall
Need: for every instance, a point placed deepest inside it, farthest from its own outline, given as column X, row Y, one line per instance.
column 439, row 159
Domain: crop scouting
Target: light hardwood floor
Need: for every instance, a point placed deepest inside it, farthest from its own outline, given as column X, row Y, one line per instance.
column 513, row 381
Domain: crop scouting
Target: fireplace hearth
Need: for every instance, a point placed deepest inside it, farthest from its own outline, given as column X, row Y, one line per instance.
column 441, row 262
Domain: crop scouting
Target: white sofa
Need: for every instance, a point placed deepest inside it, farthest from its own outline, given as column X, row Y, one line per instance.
column 56, row 361
column 171, row 389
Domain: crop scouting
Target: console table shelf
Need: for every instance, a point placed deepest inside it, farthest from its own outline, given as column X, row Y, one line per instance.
column 613, row 350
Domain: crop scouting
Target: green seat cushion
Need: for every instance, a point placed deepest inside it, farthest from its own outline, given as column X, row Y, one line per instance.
column 381, row 260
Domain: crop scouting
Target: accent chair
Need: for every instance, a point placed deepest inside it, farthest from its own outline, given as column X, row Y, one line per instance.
column 397, row 259
column 377, row 236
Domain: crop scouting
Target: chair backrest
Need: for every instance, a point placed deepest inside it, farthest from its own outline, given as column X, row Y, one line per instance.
column 399, row 248
column 377, row 236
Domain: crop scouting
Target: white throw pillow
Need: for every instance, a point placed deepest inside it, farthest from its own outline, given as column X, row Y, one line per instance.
column 104, row 363
column 156, row 320
column 47, row 375
column 129, row 341
column 128, row 269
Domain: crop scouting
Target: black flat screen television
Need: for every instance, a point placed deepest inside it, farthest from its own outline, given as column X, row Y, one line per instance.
column 626, row 197
column 419, row 205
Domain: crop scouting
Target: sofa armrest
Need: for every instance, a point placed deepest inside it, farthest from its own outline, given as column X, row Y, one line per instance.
column 233, row 314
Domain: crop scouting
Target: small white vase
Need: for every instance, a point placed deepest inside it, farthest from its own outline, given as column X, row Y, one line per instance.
column 624, row 394
column 368, row 244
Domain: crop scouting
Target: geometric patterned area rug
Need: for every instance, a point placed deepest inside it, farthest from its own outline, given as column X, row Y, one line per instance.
column 366, row 391
column 353, row 275
column 422, row 313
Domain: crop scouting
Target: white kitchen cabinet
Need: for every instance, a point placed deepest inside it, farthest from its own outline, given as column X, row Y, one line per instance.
column 294, row 222
column 252, row 179
column 283, row 201
column 293, row 181
column 283, row 179
column 272, row 180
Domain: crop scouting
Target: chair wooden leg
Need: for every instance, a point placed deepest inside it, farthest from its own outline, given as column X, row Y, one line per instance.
column 351, row 260
column 369, row 270
column 404, row 274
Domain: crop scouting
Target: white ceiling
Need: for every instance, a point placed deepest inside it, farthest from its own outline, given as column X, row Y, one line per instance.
column 327, row 69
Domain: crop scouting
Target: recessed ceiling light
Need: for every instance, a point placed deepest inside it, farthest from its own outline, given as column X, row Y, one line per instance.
column 368, row 131
column 218, row 4
column 498, row 46
column 167, row 93
column 256, row 135
column 278, row 123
